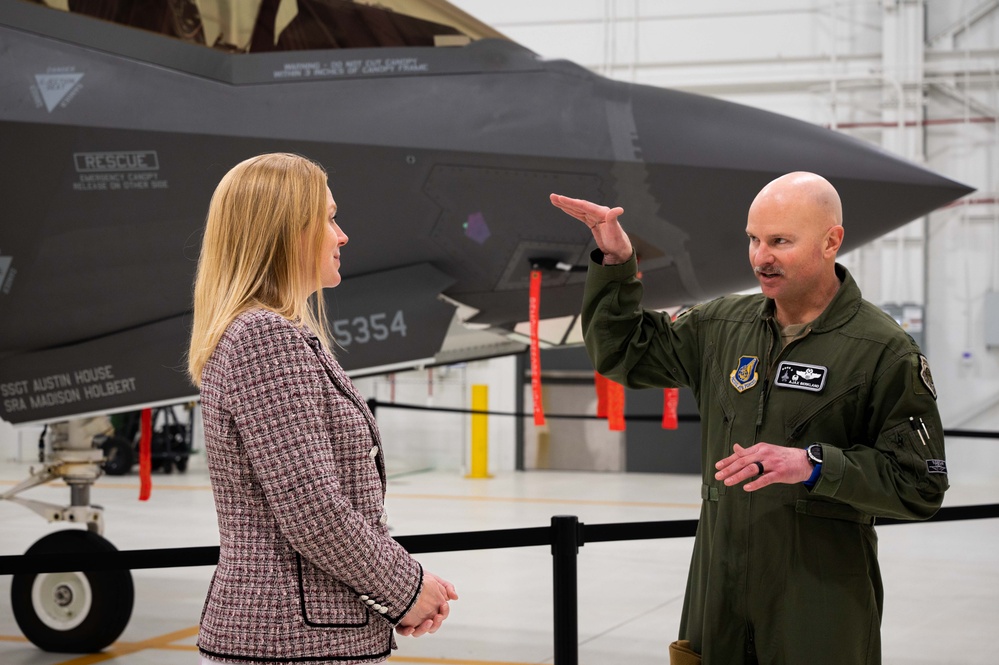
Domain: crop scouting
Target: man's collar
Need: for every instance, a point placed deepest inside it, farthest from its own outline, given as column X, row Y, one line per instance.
column 840, row 309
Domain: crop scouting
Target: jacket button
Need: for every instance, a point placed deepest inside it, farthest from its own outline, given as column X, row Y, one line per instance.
column 364, row 597
column 382, row 610
column 384, row 518
column 370, row 601
column 376, row 607
column 373, row 453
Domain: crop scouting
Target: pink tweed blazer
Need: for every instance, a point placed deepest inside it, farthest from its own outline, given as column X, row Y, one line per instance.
column 307, row 570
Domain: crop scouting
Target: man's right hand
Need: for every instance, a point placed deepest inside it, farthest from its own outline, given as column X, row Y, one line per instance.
column 602, row 221
column 430, row 609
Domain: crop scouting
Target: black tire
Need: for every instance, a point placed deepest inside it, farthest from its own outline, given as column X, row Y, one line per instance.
column 179, row 450
column 118, row 456
column 79, row 612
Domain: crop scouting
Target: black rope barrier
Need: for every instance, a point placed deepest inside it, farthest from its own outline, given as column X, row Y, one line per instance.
column 970, row 434
column 565, row 536
column 374, row 404
column 460, row 541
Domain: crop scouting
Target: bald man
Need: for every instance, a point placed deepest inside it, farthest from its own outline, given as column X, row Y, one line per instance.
column 818, row 414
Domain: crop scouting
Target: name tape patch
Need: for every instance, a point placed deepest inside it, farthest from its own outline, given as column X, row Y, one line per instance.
column 801, row 376
column 936, row 466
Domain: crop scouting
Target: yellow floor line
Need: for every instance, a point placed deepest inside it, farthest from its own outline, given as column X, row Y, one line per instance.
column 432, row 497
column 119, row 649
column 13, row 638
column 118, row 486
column 165, row 643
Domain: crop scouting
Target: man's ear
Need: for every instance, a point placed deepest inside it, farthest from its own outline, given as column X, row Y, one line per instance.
column 834, row 240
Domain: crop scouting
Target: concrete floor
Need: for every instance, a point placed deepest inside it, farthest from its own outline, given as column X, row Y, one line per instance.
column 941, row 580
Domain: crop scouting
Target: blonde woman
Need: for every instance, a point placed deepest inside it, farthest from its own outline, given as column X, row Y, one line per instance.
column 307, row 570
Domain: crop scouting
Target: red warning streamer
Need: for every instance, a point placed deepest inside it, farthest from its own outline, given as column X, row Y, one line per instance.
column 146, row 455
column 615, row 406
column 610, row 401
column 600, row 383
column 534, row 312
column 671, row 397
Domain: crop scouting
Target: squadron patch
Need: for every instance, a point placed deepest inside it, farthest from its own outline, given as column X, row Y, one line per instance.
column 801, row 376
column 926, row 377
column 745, row 375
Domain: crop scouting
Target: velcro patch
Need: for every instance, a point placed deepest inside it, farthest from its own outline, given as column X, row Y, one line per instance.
column 936, row 466
column 801, row 376
column 926, row 377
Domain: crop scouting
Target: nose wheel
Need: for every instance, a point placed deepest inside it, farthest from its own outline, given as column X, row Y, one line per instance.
column 78, row 612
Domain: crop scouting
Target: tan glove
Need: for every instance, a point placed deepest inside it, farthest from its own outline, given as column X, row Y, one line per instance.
column 680, row 653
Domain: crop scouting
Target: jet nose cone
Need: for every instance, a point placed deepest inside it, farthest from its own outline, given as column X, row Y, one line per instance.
column 699, row 163
column 715, row 135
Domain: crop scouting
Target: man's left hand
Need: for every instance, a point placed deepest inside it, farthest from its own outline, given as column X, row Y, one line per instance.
column 766, row 464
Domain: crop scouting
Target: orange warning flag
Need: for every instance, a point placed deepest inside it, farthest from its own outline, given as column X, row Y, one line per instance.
column 671, row 398
column 534, row 314
column 146, row 455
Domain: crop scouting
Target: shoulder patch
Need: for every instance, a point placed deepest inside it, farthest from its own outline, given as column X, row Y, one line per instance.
column 925, row 377
column 745, row 375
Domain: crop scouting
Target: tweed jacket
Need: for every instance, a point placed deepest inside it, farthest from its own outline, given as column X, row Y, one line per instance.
column 307, row 570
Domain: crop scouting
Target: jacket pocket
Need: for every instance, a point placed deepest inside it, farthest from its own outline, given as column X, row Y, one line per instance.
column 326, row 603
column 830, row 510
column 907, row 445
column 795, row 426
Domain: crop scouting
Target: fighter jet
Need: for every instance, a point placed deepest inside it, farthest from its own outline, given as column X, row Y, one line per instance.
column 442, row 139
column 441, row 159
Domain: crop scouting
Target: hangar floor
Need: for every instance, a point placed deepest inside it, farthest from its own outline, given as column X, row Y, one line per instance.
column 941, row 580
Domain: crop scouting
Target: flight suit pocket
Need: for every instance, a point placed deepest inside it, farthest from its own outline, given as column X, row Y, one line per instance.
column 830, row 510
column 835, row 408
column 834, row 540
column 908, row 446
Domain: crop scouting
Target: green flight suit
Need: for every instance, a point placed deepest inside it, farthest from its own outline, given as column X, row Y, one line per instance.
column 784, row 575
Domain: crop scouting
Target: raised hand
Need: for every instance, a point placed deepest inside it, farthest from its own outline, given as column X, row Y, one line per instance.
column 602, row 221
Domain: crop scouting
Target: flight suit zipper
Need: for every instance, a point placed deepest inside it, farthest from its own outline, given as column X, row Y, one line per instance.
column 771, row 366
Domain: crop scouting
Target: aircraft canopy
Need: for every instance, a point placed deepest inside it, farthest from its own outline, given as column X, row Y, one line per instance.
column 253, row 26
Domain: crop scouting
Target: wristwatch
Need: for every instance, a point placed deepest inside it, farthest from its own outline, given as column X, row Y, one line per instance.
column 814, row 452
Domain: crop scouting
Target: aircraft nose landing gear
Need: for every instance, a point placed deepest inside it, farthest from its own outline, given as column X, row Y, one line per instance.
column 75, row 612
column 79, row 612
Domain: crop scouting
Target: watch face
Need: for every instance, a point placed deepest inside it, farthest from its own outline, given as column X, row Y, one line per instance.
column 815, row 453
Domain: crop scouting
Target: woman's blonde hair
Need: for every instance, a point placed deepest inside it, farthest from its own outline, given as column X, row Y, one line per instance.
column 266, row 216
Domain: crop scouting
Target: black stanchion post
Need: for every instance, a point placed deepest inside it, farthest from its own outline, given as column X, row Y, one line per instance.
column 565, row 548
